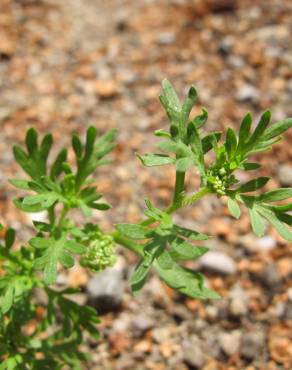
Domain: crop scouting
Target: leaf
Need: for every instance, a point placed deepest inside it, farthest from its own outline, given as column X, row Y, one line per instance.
column 253, row 185
column 182, row 250
column 185, row 281
column 56, row 168
column 27, row 208
column 275, row 195
column 190, row 234
column 276, row 223
column 207, row 141
column 277, row 129
column 170, row 95
column 155, row 159
column 183, row 164
column 54, row 251
column 133, row 231
column 139, row 276
column 15, row 288
column 249, row 166
column 256, row 222
column 178, row 148
column 189, row 103
column 196, row 145
column 20, row 184
column 201, row 119
column 244, row 131
column 231, row 143
column 162, row 133
column 74, row 247
column 45, row 147
column 233, row 208
column 31, row 141
column 9, row 238
column 77, row 146
column 258, row 132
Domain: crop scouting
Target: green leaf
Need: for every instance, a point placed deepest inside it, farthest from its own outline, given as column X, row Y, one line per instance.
column 77, row 146
column 249, row 166
column 178, row 148
column 9, row 238
column 27, row 208
column 258, row 132
column 234, row 208
column 182, row 250
column 276, row 223
column 31, row 141
column 162, row 133
column 244, row 131
column 275, row 195
column 256, row 222
column 183, row 164
column 74, row 247
column 139, row 276
column 201, row 119
column 190, row 234
column 207, row 141
column 133, row 231
column 253, row 185
column 57, row 168
column 170, row 95
column 277, row 129
column 45, row 147
column 20, row 184
column 155, row 159
column 231, row 143
column 189, row 103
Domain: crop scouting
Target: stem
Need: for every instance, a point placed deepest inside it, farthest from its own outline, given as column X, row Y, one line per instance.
column 179, row 185
column 62, row 217
column 135, row 247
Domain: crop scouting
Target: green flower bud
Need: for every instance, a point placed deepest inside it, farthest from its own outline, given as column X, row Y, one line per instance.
column 100, row 251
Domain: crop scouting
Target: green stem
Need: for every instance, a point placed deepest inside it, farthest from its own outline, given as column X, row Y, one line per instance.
column 64, row 212
column 179, row 185
column 129, row 244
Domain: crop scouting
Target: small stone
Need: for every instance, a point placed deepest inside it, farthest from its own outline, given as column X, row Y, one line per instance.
column 266, row 243
column 218, row 262
column 239, row 301
column 166, row 38
column 142, row 323
column 193, row 354
column 271, row 277
column 230, row 342
column 106, row 89
column 105, row 290
column 247, row 93
column 252, row 345
column 285, row 175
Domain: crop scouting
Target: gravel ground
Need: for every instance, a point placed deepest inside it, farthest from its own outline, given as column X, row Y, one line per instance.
column 67, row 63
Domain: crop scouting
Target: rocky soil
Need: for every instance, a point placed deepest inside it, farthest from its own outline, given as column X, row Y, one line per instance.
column 67, row 63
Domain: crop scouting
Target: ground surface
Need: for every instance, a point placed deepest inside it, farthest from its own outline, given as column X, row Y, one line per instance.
column 67, row 63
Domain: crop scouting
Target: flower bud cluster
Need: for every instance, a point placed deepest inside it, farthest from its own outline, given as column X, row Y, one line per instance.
column 100, row 252
column 219, row 180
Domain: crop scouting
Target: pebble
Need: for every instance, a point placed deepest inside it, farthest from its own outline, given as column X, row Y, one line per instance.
column 142, row 323
column 193, row 354
column 252, row 345
column 218, row 262
column 105, row 290
column 239, row 301
column 247, row 93
column 230, row 342
column 271, row 277
column 285, row 175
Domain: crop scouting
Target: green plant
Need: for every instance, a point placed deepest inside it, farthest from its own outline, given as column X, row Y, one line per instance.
column 56, row 329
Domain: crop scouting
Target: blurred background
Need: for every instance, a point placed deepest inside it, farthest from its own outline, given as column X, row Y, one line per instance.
column 65, row 64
